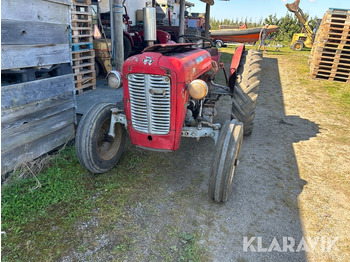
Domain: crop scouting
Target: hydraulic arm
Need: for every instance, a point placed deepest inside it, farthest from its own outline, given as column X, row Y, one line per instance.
column 301, row 16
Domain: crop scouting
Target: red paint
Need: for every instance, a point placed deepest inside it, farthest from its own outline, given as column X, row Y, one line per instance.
column 182, row 68
column 236, row 59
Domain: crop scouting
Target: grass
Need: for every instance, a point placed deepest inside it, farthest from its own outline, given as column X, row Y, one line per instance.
column 68, row 194
column 75, row 210
column 339, row 92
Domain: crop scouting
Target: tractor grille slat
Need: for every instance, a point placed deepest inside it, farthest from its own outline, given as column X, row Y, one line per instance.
column 150, row 103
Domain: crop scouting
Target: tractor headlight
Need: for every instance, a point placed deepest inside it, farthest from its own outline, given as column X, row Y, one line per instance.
column 114, row 79
column 198, row 89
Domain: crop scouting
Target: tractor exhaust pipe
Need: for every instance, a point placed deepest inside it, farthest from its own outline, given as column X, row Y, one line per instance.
column 149, row 25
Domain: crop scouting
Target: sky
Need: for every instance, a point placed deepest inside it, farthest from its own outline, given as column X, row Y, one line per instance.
column 257, row 9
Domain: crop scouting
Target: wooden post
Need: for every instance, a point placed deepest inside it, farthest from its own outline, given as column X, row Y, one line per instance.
column 182, row 20
column 117, row 28
column 207, row 20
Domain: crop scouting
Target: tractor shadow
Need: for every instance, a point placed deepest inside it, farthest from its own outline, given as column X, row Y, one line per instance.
column 264, row 202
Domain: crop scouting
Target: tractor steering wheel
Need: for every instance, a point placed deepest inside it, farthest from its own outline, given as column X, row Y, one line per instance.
column 190, row 38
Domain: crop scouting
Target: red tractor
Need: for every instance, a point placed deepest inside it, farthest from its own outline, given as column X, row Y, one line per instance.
column 169, row 93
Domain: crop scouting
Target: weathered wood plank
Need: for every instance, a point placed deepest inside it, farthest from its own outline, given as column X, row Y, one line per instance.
column 62, row 2
column 35, row 10
column 33, row 33
column 17, row 136
column 29, row 92
column 20, row 56
column 34, row 149
column 21, row 115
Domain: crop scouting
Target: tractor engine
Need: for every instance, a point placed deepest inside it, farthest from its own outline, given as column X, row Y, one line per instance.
column 156, row 95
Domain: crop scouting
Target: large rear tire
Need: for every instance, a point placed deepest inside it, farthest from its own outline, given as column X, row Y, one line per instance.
column 96, row 151
column 127, row 47
column 225, row 161
column 246, row 89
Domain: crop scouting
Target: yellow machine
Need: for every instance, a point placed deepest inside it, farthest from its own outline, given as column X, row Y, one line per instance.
column 304, row 39
column 102, row 56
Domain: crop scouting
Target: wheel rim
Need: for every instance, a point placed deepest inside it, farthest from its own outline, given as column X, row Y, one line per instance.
column 107, row 147
column 297, row 46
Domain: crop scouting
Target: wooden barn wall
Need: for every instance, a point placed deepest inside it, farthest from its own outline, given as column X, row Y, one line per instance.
column 36, row 116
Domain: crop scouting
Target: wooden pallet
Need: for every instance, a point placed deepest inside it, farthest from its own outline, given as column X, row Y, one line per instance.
column 330, row 77
column 81, row 10
column 84, row 78
column 86, row 85
column 85, row 38
column 84, row 67
column 85, row 75
column 330, row 55
column 83, row 57
column 81, row 46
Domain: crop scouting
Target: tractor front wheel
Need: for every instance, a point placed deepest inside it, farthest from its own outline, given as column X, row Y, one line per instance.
column 246, row 89
column 225, row 161
column 298, row 46
column 96, row 150
column 218, row 43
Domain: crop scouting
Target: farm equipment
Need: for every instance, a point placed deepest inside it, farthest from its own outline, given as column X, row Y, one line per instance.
column 169, row 93
column 301, row 40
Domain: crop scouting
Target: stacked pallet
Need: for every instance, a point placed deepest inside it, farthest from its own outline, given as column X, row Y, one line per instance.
column 83, row 56
column 330, row 55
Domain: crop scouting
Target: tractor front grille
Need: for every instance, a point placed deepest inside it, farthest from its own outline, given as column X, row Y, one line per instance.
column 150, row 103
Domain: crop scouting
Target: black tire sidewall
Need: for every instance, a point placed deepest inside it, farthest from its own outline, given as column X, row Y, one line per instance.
column 103, row 164
column 127, row 47
column 87, row 136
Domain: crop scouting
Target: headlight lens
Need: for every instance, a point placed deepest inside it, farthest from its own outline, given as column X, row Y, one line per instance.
column 114, row 79
column 198, row 89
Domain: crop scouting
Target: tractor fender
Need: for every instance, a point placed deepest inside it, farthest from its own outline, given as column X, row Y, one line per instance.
column 163, row 37
column 236, row 59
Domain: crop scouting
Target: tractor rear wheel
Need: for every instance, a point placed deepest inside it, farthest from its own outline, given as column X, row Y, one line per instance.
column 96, row 150
column 225, row 161
column 246, row 89
column 298, row 46
column 127, row 47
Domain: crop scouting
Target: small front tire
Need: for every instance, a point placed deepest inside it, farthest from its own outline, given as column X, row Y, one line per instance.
column 298, row 46
column 225, row 161
column 96, row 151
column 218, row 44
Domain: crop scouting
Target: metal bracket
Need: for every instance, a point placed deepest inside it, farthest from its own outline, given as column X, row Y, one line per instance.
column 193, row 132
column 116, row 117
